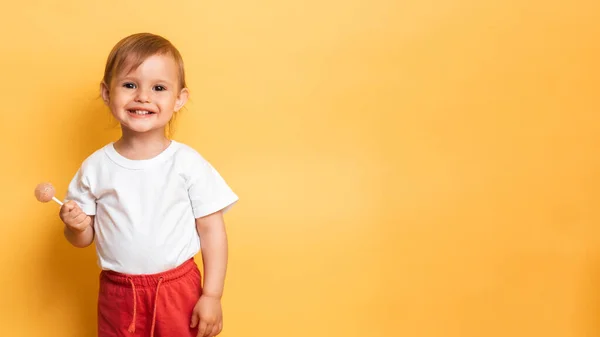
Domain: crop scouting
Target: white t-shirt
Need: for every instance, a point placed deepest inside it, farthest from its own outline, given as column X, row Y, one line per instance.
column 145, row 210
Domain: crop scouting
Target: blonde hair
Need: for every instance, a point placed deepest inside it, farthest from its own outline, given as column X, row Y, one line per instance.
column 131, row 51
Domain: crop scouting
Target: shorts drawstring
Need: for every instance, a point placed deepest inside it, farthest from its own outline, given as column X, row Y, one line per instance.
column 132, row 325
column 155, row 302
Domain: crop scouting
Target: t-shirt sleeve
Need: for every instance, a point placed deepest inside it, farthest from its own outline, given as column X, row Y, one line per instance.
column 207, row 189
column 80, row 192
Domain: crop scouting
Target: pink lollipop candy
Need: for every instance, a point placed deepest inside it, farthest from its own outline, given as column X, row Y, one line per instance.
column 44, row 192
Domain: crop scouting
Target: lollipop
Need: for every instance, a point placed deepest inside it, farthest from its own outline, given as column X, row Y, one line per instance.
column 44, row 192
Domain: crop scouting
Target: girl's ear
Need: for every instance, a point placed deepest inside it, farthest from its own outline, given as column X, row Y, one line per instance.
column 182, row 98
column 104, row 92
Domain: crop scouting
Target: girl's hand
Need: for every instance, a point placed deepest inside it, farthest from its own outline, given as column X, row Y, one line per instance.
column 74, row 218
column 208, row 316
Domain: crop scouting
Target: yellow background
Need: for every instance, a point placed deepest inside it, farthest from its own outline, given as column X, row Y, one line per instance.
column 405, row 168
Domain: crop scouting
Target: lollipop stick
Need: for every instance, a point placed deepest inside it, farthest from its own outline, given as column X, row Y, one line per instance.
column 58, row 201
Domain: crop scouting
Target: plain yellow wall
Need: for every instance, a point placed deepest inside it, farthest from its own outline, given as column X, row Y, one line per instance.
column 405, row 168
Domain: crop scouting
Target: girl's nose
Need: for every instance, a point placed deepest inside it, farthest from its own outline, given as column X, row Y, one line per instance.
column 142, row 97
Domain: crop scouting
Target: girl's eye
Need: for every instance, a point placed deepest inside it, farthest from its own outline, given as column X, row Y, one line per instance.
column 129, row 85
column 159, row 88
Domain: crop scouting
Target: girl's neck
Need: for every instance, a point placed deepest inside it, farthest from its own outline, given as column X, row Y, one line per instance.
column 141, row 146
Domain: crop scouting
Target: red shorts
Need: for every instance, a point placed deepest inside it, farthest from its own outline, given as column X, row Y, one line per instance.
column 158, row 305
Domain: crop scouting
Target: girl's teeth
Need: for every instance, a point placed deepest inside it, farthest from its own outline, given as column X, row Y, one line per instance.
column 141, row 112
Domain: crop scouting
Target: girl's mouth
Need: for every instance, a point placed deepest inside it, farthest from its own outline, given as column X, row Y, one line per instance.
column 140, row 112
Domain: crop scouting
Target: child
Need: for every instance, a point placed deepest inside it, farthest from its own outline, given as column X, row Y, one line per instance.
column 150, row 203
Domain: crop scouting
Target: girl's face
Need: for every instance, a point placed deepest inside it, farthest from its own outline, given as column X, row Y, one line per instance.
column 145, row 99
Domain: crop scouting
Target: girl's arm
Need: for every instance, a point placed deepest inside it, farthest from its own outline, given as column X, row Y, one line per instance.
column 208, row 314
column 213, row 240
column 80, row 239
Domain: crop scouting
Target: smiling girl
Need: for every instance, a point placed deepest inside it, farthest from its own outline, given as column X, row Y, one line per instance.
column 150, row 204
